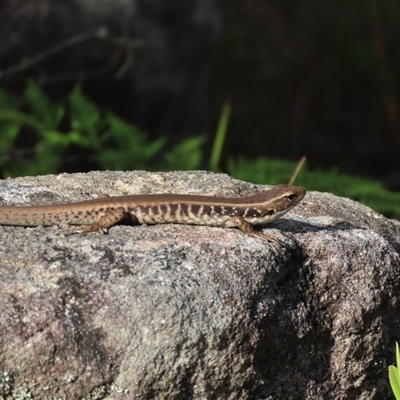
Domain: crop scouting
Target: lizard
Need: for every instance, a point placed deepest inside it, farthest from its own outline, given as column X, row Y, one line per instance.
column 100, row 214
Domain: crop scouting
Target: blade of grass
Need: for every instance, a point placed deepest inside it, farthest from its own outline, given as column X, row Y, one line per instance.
column 220, row 137
column 297, row 170
column 394, row 383
column 394, row 375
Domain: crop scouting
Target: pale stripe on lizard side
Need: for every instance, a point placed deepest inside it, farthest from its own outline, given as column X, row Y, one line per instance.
column 102, row 213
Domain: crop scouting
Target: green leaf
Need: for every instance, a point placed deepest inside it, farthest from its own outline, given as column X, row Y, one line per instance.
column 21, row 118
column 85, row 118
column 186, row 155
column 261, row 170
column 125, row 146
column 8, row 133
column 53, row 139
column 394, row 381
column 44, row 109
column 7, row 101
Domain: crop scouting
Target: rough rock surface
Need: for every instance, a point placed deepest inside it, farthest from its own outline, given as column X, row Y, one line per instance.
column 190, row 312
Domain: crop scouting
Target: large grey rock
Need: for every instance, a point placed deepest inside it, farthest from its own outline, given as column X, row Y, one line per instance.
column 191, row 312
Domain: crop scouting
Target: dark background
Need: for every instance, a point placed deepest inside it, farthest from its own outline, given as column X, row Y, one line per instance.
column 311, row 78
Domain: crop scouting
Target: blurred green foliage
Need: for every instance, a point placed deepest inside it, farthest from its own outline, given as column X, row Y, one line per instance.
column 272, row 171
column 56, row 130
column 78, row 126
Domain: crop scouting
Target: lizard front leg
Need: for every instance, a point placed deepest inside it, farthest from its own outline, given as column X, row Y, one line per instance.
column 248, row 228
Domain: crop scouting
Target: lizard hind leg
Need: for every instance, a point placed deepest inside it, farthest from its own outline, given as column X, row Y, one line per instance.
column 108, row 220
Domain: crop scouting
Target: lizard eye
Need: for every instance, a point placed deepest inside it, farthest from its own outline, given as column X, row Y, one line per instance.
column 271, row 212
column 291, row 197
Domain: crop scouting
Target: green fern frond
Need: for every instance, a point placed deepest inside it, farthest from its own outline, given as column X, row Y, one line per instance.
column 85, row 118
column 125, row 146
column 186, row 155
column 42, row 108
